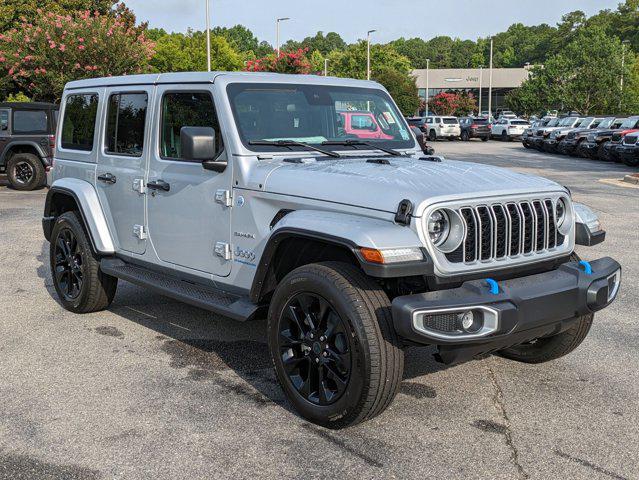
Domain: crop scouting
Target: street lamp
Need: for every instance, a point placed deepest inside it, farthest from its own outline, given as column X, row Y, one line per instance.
column 481, row 75
column 326, row 67
column 208, row 38
column 427, row 87
column 277, row 28
column 368, row 53
column 490, row 82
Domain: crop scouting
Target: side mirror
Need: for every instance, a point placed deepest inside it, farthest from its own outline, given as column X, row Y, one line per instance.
column 4, row 126
column 198, row 144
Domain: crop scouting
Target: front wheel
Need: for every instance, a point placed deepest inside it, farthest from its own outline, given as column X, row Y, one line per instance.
column 333, row 346
column 550, row 348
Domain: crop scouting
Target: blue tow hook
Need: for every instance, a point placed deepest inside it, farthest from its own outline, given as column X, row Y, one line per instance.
column 587, row 267
column 494, row 287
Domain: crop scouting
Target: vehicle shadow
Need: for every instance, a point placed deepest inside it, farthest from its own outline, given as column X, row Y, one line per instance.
column 204, row 345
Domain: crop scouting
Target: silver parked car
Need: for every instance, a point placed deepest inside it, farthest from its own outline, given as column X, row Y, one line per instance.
column 245, row 194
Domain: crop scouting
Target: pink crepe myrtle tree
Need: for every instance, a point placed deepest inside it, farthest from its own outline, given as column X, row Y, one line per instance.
column 295, row 61
column 40, row 57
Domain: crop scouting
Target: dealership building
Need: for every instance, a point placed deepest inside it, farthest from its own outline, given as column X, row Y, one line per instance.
column 471, row 80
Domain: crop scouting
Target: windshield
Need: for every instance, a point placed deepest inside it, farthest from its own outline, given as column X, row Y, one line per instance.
column 585, row 123
column 629, row 122
column 606, row 122
column 553, row 122
column 566, row 122
column 450, row 121
column 314, row 114
column 518, row 122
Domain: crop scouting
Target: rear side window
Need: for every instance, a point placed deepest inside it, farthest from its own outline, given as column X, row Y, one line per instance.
column 186, row 109
column 29, row 121
column 4, row 120
column 126, row 117
column 78, row 124
column 362, row 122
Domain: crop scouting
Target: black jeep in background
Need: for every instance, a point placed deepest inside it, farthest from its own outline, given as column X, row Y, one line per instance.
column 473, row 127
column 27, row 133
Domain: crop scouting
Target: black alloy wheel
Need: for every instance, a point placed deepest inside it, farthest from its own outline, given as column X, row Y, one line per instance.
column 315, row 348
column 69, row 262
column 24, row 172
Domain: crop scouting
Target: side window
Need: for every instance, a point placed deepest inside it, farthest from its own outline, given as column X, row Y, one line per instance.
column 78, row 124
column 186, row 109
column 438, row 120
column 126, row 116
column 4, row 120
column 29, row 121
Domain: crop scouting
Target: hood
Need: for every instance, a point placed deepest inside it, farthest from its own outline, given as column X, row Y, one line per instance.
column 381, row 186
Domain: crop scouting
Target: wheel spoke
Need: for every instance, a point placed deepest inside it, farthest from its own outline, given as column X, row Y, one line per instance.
column 321, row 387
column 293, row 363
column 340, row 382
column 322, row 316
column 287, row 339
column 291, row 314
column 341, row 360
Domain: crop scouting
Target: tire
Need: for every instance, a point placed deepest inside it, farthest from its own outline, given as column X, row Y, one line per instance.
column 25, row 171
column 464, row 136
column 578, row 148
column 362, row 312
column 80, row 284
column 631, row 162
column 600, row 152
column 504, row 136
column 451, row 139
column 432, row 135
column 550, row 348
column 484, row 139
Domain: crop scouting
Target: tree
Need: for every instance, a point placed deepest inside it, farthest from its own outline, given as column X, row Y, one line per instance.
column 320, row 42
column 402, row 88
column 179, row 52
column 40, row 57
column 287, row 62
column 239, row 37
column 448, row 103
column 15, row 12
column 351, row 62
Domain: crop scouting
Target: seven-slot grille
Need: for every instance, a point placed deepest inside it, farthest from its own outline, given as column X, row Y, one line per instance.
column 630, row 139
column 504, row 230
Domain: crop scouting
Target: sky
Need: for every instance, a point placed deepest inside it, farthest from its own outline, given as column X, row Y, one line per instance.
column 466, row 19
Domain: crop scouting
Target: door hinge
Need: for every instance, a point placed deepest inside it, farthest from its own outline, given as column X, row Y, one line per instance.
column 224, row 197
column 138, row 185
column 223, row 250
column 139, row 231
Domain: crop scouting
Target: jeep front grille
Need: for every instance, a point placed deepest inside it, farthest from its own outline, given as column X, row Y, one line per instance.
column 630, row 139
column 501, row 231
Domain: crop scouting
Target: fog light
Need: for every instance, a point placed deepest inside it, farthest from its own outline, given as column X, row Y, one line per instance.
column 467, row 320
column 470, row 321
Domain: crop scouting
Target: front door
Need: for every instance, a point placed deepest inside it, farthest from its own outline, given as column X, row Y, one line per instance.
column 187, row 225
column 121, row 165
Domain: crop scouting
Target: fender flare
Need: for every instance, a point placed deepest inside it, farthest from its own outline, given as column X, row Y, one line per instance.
column 20, row 143
column 346, row 231
column 86, row 198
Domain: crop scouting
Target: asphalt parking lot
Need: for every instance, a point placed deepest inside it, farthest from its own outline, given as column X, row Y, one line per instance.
column 156, row 389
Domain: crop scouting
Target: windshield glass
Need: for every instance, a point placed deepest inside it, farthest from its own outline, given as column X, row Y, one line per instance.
column 566, row 122
column 314, row 114
column 553, row 122
column 585, row 123
column 606, row 122
column 629, row 122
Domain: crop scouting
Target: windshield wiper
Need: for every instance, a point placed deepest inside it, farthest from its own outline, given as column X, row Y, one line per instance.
column 293, row 143
column 355, row 143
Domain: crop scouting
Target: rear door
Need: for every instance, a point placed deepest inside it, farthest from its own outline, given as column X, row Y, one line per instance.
column 121, row 164
column 5, row 114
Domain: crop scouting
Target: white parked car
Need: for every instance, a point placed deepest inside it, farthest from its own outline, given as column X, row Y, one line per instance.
column 506, row 114
column 509, row 128
column 442, row 127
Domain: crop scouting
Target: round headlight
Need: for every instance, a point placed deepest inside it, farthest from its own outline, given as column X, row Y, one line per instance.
column 438, row 227
column 561, row 212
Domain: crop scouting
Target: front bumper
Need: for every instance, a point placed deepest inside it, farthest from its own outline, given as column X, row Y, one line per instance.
column 628, row 152
column 550, row 144
column 524, row 308
column 610, row 151
column 589, row 148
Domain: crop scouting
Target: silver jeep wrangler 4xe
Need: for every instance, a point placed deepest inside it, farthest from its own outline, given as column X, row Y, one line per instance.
column 307, row 199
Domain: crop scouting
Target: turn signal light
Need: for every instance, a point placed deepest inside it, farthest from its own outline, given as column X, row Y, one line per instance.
column 391, row 255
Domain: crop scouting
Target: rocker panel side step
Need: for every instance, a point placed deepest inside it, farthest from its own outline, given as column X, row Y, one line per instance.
column 233, row 306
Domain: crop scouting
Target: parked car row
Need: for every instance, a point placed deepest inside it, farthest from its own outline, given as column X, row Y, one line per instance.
column 608, row 138
column 507, row 127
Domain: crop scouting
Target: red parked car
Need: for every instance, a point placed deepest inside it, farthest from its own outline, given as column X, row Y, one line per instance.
column 362, row 125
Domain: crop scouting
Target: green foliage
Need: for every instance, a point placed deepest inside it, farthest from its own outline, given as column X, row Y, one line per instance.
column 320, row 42
column 402, row 88
column 15, row 12
column 351, row 62
column 17, row 97
column 449, row 103
column 186, row 52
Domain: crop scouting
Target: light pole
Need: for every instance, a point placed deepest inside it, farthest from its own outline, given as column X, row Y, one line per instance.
column 208, row 38
column 623, row 66
column 277, row 34
column 481, row 74
column 490, row 82
column 368, row 53
column 427, row 87
column 326, row 67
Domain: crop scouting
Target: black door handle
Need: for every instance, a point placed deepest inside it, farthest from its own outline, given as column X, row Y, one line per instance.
column 107, row 178
column 159, row 185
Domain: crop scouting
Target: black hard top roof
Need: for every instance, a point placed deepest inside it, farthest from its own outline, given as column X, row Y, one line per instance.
column 29, row 105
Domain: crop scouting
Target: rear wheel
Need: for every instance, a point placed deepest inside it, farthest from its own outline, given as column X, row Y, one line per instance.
column 333, row 345
column 25, row 171
column 432, row 135
column 504, row 136
column 80, row 284
column 464, row 136
column 484, row 139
